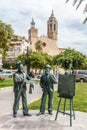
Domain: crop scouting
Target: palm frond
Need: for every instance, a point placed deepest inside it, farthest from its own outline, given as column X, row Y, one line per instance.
column 74, row 2
column 67, row 1
column 85, row 20
column 85, row 9
column 80, row 2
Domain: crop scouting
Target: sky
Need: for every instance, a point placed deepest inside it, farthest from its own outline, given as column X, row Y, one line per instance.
column 72, row 33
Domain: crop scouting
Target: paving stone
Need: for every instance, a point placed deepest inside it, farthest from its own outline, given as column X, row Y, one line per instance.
column 43, row 122
column 19, row 127
column 6, row 126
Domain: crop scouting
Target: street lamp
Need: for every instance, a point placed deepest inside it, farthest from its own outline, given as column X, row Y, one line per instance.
column 28, row 61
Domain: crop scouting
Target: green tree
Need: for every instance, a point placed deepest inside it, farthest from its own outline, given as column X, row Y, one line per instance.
column 36, row 60
column 85, row 64
column 6, row 34
column 38, row 46
column 22, row 57
column 9, row 65
column 70, row 56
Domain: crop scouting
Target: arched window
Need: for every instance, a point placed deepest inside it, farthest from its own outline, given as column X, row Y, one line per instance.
column 50, row 27
column 54, row 27
column 44, row 44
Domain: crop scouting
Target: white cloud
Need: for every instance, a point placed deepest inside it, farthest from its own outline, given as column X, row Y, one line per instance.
column 72, row 33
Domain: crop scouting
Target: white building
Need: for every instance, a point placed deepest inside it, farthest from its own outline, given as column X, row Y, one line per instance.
column 17, row 47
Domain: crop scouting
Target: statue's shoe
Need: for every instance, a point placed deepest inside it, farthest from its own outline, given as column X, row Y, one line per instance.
column 40, row 113
column 27, row 114
column 50, row 113
column 14, row 115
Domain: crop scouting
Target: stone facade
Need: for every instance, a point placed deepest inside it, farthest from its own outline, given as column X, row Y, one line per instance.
column 50, row 41
column 50, row 45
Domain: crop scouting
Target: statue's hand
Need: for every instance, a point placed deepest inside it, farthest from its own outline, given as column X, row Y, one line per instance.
column 31, row 88
column 47, row 76
column 32, row 85
column 53, row 79
column 22, row 80
column 44, row 90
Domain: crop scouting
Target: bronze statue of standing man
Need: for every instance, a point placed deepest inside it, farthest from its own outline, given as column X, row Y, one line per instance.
column 20, row 90
column 46, row 82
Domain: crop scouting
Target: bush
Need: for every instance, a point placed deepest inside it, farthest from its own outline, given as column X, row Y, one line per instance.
column 2, row 79
column 8, row 65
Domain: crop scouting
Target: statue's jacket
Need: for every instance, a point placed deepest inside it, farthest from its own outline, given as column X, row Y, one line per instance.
column 19, row 80
column 47, row 82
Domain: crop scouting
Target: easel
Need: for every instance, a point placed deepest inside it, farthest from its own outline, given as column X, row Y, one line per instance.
column 66, row 90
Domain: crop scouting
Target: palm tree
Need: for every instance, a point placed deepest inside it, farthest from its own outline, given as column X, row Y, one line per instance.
column 38, row 46
column 80, row 2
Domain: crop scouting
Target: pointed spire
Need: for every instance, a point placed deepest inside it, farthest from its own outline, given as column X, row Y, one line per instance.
column 32, row 23
column 52, row 15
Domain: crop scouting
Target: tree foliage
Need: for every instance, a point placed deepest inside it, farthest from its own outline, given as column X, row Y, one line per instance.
column 22, row 57
column 6, row 34
column 77, row 59
column 38, row 46
column 36, row 60
column 39, row 60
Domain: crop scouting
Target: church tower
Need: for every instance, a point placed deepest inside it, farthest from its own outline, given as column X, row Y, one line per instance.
column 32, row 32
column 52, row 27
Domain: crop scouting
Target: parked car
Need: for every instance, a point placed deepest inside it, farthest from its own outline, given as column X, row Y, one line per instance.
column 81, row 75
column 6, row 74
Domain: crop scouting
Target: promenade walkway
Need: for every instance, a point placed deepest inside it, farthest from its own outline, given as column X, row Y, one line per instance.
column 7, row 98
column 43, row 122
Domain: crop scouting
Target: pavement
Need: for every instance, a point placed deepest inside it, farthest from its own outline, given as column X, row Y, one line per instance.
column 34, row 122
column 7, row 98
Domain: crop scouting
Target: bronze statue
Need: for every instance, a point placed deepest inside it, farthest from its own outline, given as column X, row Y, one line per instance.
column 70, row 70
column 19, row 79
column 46, row 82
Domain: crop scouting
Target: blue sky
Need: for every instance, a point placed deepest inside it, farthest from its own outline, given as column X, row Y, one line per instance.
column 71, row 31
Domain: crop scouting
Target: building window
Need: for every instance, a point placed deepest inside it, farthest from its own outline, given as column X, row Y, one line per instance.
column 50, row 27
column 54, row 27
column 44, row 44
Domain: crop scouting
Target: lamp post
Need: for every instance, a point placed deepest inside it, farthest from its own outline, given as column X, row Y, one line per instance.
column 28, row 61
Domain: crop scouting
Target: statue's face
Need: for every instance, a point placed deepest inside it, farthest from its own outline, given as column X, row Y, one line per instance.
column 47, row 70
column 20, row 68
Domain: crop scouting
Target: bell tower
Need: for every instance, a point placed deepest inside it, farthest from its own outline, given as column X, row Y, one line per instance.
column 32, row 32
column 52, row 27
